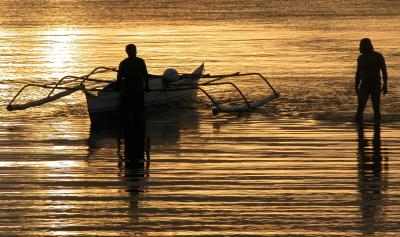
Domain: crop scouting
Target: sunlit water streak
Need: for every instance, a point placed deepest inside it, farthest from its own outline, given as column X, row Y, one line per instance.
column 297, row 166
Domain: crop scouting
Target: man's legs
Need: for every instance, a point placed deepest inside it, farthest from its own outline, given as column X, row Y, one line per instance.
column 363, row 95
column 376, row 101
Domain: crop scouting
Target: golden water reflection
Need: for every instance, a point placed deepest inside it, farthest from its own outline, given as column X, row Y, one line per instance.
column 277, row 171
column 204, row 181
column 61, row 52
column 373, row 180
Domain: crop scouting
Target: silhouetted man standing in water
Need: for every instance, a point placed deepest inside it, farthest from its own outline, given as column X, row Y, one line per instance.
column 132, row 72
column 368, row 79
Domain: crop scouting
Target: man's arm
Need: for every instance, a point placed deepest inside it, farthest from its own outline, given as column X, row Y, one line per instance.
column 145, row 77
column 120, row 74
column 358, row 76
column 384, row 75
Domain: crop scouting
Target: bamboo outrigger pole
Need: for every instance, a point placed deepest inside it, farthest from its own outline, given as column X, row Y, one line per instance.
column 68, row 91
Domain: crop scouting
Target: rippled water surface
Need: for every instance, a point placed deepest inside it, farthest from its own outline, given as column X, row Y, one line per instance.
column 297, row 166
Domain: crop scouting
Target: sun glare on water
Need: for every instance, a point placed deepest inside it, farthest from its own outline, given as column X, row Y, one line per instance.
column 60, row 51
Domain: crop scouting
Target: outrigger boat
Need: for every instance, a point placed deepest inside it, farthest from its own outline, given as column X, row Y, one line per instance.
column 103, row 104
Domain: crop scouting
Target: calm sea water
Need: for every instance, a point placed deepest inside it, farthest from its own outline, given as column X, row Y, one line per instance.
column 296, row 166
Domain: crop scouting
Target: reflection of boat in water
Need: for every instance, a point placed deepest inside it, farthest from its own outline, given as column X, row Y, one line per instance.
column 130, row 152
column 162, row 127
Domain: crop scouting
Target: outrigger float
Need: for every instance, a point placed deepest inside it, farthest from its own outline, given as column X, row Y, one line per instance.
column 103, row 103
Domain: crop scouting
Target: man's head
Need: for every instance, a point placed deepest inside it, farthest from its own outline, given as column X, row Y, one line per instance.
column 366, row 46
column 131, row 50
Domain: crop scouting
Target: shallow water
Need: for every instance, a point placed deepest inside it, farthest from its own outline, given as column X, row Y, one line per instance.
column 296, row 166
column 245, row 175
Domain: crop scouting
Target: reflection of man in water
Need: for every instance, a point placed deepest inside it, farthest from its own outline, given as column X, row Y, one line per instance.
column 368, row 78
column 372, row 182
column 135, row 160
column 132, row 71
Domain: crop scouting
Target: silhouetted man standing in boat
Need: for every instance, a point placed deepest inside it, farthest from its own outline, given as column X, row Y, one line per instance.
column 132, row 72
column 368, row 79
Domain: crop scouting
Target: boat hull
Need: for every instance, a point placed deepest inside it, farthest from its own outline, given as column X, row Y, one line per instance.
column 104, row 108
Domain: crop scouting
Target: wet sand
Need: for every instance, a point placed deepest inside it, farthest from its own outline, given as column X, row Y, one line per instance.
column 248, row 175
